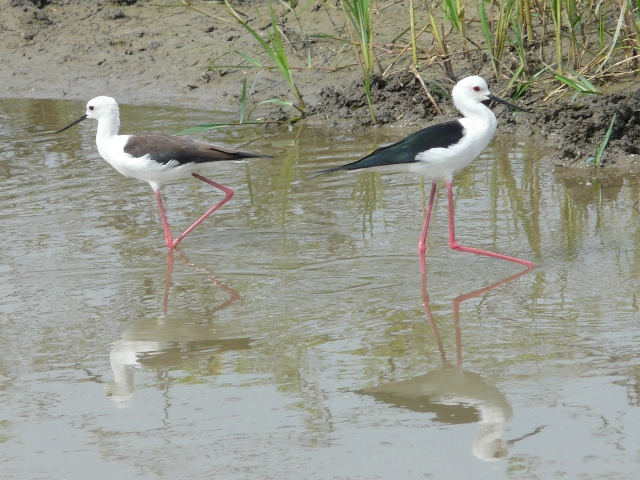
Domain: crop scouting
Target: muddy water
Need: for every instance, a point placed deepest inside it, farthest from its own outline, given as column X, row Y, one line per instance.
column 293, row 336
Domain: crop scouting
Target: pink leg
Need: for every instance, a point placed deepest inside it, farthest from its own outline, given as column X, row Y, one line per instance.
column 228, row 194
column 165, row 224
column 422, row 244
column 454, row 245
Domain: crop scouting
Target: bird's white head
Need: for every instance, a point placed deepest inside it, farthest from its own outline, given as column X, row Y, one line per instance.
column 469, row 92
column 102, row 108
column 105, row 110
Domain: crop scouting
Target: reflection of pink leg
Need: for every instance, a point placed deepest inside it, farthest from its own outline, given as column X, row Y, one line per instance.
column 167, row 282
column 228, row 194
column 427, row 311
column 234, row 296
column 454, row 245
column 422, row 244
column 456, row 312
column 165, row 224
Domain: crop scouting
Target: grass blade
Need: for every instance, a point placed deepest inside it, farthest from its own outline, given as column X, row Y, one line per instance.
column 247, row 58
column 276, row 53
column 605, row 141
column 243, row 99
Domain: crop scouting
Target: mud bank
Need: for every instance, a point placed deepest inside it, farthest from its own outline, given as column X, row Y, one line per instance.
column 139, row 52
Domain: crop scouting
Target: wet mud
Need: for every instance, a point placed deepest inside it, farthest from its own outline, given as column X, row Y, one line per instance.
column 581, row 125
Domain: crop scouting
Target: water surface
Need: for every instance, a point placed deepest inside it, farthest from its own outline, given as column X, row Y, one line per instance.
column 294, row 336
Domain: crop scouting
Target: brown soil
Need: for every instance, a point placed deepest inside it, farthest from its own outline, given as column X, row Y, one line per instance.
column 138, row 52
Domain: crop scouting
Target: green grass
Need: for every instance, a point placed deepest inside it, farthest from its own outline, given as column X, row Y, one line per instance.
column 578, row 83
column 599, row 158
column 359, row 15
column 245, row 119
column 275, row 50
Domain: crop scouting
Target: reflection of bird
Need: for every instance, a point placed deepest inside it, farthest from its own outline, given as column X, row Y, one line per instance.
column 439, row 151
column 455, row 396
column 167, row 341
column 162, row 343
column 156, row 158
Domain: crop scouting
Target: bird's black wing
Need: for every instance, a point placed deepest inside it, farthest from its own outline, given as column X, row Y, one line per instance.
column 442, row 135
column 166, row 148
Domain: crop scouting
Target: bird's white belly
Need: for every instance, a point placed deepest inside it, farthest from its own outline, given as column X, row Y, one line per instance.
column 441, row 163
column 143, row 168
column 153, row 172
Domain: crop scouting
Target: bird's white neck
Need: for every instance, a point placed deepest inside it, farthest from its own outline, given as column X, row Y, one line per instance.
column 107, row 127
column 480, row 124
column 489, row 117
column 480, row 114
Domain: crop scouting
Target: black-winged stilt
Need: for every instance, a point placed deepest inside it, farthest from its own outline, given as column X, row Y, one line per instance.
column 156, row 158
column 440, row 150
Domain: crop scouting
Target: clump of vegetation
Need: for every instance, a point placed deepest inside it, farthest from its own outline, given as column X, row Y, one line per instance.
column 358, row 12
column 275, row 50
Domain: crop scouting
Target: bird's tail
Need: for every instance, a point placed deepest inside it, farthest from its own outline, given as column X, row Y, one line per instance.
column 319, row 173
column 252, row 155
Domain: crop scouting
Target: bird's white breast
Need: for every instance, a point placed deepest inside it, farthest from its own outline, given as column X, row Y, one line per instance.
column 442, row 163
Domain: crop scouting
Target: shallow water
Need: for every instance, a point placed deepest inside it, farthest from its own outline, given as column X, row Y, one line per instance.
column 294, row 337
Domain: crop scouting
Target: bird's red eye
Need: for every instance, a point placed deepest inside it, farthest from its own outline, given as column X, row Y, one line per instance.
column 91, row 106
column 476, row 88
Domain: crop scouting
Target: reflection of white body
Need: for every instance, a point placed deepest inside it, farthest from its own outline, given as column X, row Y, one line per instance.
column 455, row 388
column 488, row 443
column 124, row 359
column 161, row 344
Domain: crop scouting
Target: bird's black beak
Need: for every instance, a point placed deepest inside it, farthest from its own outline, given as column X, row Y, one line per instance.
column 83, row 117
column 493, row 98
